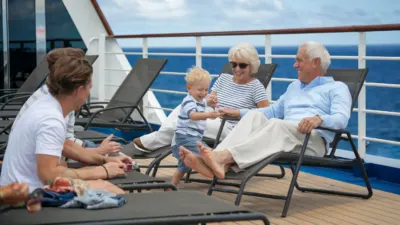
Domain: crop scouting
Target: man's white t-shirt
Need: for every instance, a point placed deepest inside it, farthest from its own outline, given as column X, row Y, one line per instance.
column 41, row 130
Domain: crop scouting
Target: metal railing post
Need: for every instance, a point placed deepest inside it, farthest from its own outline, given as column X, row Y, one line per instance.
column 145, row 100
column 268, row 59
column 198, row 51
column 101, row 66
column 362, row 120
column 145, row 48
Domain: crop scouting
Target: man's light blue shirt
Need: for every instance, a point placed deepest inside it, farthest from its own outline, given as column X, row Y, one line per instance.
column 323, row 96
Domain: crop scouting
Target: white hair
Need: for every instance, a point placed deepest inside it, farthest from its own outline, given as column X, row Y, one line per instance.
column 246, row 52
column 318, row 50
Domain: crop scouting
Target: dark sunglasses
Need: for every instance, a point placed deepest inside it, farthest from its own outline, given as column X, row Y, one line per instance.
column 241, row 65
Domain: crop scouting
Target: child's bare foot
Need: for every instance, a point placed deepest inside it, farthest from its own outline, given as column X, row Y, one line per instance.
column 195, row 162
column 210, row 160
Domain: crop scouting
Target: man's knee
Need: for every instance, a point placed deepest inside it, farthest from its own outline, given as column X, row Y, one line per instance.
column 254, row 116
column 283, row 124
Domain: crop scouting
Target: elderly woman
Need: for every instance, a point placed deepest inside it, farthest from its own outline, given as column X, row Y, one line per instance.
column 36, row 143
column 235, row 92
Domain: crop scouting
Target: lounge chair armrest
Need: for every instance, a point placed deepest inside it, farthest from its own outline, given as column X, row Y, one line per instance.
column 8, row 90
column 14, row 94
column 95, row 103
column 14, row 99
column 108, row 109
column 227, row 118
column 90, row 105
column 331, row 130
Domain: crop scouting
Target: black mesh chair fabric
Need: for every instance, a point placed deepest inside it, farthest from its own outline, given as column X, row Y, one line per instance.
column 181, row 207
column 353, row 78
column 133, row 88
column 36, row 78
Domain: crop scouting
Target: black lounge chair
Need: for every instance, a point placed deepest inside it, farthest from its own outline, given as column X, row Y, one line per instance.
column 264, row 74
column 32, row 83
column 354, row 79
column 134, row 181
column 117, row 113
column 178, row 207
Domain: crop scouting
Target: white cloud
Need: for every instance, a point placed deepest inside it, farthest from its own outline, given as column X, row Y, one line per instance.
column 153, row 9
column 251, row 9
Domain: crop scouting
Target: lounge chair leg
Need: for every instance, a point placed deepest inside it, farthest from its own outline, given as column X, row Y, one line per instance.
column 187, row 177
column 212, row 185
column 295, row 183
column 240, row 193
column 295, row 174
column 155, row 169
column 155, row 164
column 350, row 194
column 362, row 168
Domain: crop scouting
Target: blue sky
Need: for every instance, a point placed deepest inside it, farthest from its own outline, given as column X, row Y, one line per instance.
column 170, row 16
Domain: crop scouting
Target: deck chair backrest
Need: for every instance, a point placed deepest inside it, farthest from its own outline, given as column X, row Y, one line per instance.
column 264, row 74
column 36, row 78
column 39, row 74
column 91, row 58
column 353, row 78
column 134, row 87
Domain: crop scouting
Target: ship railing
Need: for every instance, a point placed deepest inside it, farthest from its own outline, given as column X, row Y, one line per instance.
column 361, row 57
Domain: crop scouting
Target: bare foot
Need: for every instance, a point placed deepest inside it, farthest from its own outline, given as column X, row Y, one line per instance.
column 209, row 158
column 195, row 162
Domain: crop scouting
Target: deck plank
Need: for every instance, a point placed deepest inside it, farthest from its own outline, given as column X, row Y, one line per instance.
column 306, row 208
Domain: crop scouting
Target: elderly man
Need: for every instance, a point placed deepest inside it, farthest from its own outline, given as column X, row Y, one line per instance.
column 311, row 101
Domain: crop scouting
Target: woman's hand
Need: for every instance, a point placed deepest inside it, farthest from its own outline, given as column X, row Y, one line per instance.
column 213, row 115
column 212, row 100
column 227, row 112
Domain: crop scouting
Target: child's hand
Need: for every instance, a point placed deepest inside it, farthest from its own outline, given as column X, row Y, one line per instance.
column 212, row 100
column 213, row 114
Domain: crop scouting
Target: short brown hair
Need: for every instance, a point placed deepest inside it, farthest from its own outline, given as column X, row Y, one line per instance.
column 57, row 53
column 67, row 74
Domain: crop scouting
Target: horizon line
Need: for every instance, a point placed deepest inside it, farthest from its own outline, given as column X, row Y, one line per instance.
column 224, row 46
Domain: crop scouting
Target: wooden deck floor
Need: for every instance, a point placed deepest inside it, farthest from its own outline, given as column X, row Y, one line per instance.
column 308, row 208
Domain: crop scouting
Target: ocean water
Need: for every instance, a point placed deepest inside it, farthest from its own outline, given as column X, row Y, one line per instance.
column 387, row 99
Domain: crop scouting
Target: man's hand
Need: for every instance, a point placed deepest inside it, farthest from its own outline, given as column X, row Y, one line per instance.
column 213, row 114
column 308, row 124
column 107, row 146
column 225, row 112
column 122, row 158
column 212, row 100
column 115, row 169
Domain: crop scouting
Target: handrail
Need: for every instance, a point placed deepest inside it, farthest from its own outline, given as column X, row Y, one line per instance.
column 361, row 57
column 341, row 29
column 103, row 19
